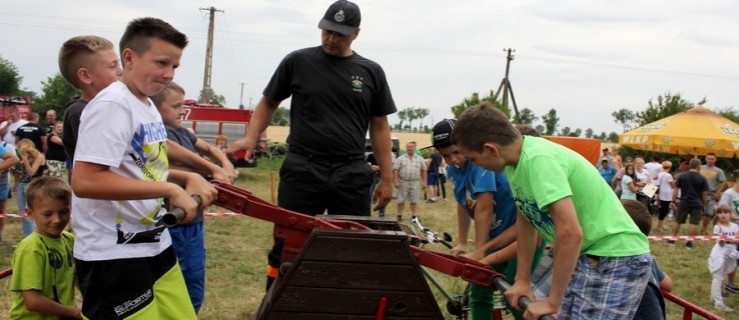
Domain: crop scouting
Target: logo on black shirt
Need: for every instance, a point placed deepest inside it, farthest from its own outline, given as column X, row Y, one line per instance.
column 357, row 83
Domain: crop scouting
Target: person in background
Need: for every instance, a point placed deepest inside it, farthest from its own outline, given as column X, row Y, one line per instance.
column 715, row 177
column 372, row 162
column 43, row 279
column 606, row 170
column 616, row 182
column 442, row 179
column 653, row 168
column 8, row 127
column 617, row 162
column 8, row 159
column 34, row 132
column 628, row 183
column 730, row 198
column 666, row 184
column 49, row 121
column 432, row 175
column 693, row 190
column 221, row 143
column 408, row 170
column 723, row 256
column 33, row 163
column 55, row 157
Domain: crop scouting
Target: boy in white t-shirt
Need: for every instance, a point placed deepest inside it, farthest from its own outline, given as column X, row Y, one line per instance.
column 126, row 266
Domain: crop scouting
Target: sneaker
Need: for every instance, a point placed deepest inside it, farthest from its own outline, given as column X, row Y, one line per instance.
column 732, row 288
column 671, row 242
column 689, row 245
column 723, row 307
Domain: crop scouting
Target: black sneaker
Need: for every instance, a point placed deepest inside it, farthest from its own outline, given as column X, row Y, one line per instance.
column 671, row 242
column 732, row 288
column 689, row 245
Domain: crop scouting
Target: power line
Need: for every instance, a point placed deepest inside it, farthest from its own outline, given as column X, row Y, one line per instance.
column 265, row 38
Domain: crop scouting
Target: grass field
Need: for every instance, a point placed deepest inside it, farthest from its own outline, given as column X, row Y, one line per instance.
column 237, row 247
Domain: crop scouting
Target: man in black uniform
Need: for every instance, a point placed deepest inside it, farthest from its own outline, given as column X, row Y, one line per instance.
column 336, row 96
column 32, row 131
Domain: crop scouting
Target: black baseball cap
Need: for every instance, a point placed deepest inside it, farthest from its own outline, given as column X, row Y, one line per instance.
column 441, row 135
column 342, row 17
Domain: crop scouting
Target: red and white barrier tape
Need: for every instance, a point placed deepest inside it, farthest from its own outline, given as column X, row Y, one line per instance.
column 207, row 214
column 691, row 238
column 651, row 238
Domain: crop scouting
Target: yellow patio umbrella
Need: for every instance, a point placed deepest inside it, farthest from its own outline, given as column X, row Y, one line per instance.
column 696, row 131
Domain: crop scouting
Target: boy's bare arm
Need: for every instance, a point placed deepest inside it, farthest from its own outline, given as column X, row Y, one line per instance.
column 506, row 254
column 179, row 154
column 484, row 207
column 213, row 153
column 567, row 242
column 35, row 301
column 463, row 228
column 503, row 239
column 526, row 241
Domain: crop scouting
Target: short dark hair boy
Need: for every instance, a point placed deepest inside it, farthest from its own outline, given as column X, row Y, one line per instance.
column 563, row 197
column 120, row 178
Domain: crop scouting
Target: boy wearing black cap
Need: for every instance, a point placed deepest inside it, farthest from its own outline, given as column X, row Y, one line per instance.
column 484, row 197
column 336, row 96
column 601, row 259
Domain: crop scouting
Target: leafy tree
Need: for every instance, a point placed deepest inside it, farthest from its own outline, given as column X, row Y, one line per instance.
column 551, row 122
column 402, row 115
column 475, row 99
column 410, row 114
column 625, row 117
column 281, row 117
column 540, row 128
column 613, row 137
column 589, row 133
column 665, row 106
column 575, row 133
column 526, row 116
column 213, row 97
column 729, row 113
column 10, row 79
column 602, row 136
column 565, row 131
column 421, row 113
column 55, row 94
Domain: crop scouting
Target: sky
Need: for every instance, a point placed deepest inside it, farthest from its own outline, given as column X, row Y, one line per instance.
column 584, row 58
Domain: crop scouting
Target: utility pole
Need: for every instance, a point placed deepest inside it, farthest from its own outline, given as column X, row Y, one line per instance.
column 505, row 87
column 241, row 97
column 204, row 95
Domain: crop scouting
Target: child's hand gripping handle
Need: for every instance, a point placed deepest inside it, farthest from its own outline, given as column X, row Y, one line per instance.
column 500, row 283
column 176, row 215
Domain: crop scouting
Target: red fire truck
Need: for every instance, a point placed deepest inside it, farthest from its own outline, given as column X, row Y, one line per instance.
column 22, row 104
column 211, row 120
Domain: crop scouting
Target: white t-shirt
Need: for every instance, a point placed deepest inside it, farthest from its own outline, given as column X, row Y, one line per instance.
column 119, row 131
column 9, row 137
column 642, row 176
column 665, row 189
column 653, row 168
column 723, row 258
column 730, row 198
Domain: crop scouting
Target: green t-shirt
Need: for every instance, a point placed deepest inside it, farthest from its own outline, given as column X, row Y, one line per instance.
column 547, row 172
column 42, row 263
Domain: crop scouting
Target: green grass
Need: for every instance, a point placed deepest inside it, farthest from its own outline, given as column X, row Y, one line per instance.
column 237, row 248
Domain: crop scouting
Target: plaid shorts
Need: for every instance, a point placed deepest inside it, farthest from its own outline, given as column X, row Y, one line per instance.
column 606, row 287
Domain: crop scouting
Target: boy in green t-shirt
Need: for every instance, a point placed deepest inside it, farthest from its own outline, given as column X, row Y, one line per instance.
column 43, row 267
column 601, row 259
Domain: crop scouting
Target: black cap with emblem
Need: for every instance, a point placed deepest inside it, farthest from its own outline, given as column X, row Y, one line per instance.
column 342, row 17
column 441, row 135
